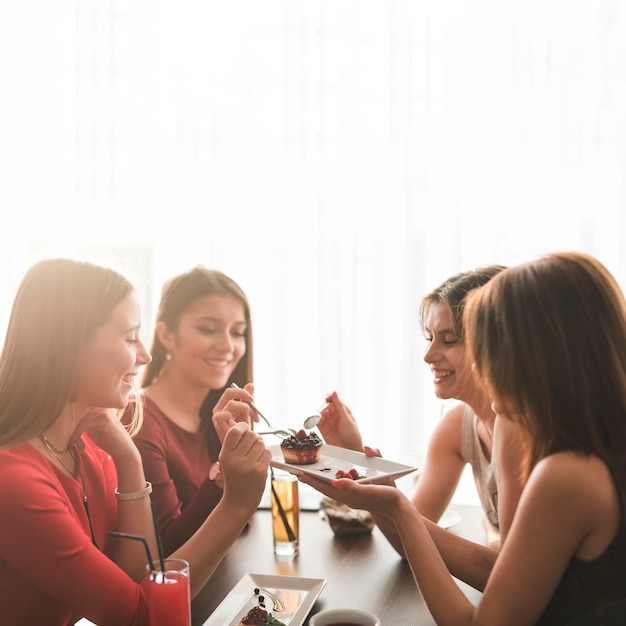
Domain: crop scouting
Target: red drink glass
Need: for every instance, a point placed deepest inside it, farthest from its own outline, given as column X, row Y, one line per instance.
column 169, row 599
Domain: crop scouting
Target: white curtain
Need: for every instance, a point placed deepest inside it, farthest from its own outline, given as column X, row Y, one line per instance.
column 338, row 158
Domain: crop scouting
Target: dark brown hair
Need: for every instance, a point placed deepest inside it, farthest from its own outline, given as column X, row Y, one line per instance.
column 177, row 294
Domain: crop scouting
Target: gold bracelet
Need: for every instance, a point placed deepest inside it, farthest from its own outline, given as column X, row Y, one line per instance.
column 134, row 495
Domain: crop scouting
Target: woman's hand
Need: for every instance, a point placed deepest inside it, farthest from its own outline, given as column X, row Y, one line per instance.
column 104, row 428
column 233, row 407
column 379, row 499
column 244, row 460
column 338, row 426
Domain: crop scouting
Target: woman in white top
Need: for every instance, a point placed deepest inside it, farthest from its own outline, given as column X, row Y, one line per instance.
column 467, row 433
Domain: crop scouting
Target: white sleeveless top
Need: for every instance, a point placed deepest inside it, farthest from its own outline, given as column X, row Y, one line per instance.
column 483, row 469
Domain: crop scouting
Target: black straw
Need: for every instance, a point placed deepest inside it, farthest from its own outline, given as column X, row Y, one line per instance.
column 158, row 537
column 281, row 511
column 114, row 533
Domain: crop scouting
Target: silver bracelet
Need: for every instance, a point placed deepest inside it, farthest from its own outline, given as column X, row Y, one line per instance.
column 134, row 495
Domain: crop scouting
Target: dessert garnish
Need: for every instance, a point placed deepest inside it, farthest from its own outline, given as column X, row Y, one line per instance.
column 351, row 473
column 258, row 615
column 279, row 605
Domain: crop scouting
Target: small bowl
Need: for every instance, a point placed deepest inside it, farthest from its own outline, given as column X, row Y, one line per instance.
column 337, row 617
column 344, row 520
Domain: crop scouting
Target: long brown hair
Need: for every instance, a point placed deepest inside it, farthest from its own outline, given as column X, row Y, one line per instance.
column 177, row 295
column 549, row 339
column 59, row 305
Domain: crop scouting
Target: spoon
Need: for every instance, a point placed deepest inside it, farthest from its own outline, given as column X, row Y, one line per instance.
column 309, row 423
column 313, row 420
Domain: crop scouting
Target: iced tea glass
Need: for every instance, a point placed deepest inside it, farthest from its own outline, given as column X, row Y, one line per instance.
column 285, row 513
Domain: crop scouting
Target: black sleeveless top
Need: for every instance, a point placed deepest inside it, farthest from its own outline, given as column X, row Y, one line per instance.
column 589, row 586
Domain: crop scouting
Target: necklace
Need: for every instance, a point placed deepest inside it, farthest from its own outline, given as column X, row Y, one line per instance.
column 55, row 453
column 77, row 474
column 51, row 446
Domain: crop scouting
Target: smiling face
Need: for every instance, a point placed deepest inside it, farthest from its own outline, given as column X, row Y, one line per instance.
column 110, row 360
column 209, row 341
column 446, row 356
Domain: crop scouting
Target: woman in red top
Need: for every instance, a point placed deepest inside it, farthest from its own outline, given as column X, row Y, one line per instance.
column 202, row 343
column 69, row 470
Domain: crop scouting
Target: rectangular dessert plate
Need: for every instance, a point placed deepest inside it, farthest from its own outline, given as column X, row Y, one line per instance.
column 297, row 595
column 334, row 458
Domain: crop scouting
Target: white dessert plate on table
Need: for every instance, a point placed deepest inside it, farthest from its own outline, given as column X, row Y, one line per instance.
column 373, row 468
column 296, row 594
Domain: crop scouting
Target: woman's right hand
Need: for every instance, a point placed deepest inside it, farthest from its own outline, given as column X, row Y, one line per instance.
column 233, row 407
column 338, row 426
column 244, row 460
column 376, row 498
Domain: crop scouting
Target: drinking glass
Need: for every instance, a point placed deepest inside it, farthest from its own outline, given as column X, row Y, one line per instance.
column 285, row 513
column 167, row 592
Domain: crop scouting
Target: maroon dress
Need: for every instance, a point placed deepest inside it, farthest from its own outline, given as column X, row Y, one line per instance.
column 177, row 464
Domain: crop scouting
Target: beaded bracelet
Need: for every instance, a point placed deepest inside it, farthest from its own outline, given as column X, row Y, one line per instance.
column 134, row 495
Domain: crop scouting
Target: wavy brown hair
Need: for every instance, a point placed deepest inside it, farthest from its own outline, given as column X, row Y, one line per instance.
column 549, row 339
column 59, row 305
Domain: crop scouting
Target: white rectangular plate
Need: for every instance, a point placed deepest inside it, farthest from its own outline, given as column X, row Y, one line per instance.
column 298, row 594
column 334, row 458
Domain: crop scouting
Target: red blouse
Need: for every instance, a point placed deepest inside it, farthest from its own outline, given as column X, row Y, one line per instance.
column 50, row 570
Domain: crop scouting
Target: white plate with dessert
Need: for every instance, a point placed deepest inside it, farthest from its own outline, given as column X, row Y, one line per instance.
column 289, row 599
column 333, row 460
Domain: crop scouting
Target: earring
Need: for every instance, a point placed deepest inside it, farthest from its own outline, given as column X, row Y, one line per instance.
column 168, row 356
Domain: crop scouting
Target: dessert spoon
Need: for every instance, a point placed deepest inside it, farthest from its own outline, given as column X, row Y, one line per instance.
column 313, row 420
column 309, row 423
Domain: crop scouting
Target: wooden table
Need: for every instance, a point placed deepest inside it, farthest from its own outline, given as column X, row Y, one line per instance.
column 362, row 571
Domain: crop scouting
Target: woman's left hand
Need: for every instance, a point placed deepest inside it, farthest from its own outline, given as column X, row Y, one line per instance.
column 244, row 459
column 104, row 428
column 338, row 426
